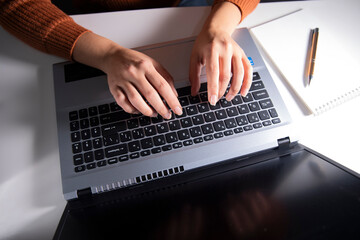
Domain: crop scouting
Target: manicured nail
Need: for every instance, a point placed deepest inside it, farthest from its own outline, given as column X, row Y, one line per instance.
column 229, row 97
column 178, row 111
column 213, row 100
column 168, row 115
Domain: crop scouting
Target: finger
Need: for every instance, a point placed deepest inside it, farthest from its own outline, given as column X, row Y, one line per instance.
column 248, row 73
column 166, row 75
column 194, row 75
column 212, row 73
column 137, row 100
column 237, row 78
column 122, row 100
column 225, row 73
column 164, row 89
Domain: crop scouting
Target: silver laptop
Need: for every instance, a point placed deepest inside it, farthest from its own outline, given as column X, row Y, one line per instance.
column 102, row 148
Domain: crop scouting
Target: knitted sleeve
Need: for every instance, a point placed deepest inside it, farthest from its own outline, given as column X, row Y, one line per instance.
column 41, row 24
column 245, row 6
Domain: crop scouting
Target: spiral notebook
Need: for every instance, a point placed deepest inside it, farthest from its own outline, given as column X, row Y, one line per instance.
column 285, row 42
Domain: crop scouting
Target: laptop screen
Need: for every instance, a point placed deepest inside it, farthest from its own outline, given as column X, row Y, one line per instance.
column 297, row 196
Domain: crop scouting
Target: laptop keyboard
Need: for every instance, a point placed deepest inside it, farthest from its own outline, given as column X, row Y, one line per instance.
column 106, row 135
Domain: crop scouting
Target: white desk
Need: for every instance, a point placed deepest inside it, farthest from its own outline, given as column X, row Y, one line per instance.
column 31, row 201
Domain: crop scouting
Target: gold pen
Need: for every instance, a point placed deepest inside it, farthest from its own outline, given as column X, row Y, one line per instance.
column 312, row 55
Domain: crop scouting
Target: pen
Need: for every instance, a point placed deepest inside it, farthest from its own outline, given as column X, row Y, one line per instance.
column 312, row 55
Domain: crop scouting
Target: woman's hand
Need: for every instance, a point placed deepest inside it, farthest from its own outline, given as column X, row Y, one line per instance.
column 132, row 76
column 215, row 49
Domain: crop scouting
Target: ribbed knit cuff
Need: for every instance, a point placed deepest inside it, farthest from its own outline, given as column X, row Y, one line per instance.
column 245, row 6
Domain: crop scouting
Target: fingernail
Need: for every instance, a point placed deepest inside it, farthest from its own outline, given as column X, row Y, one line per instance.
column 178, row 111
column 229, row 97
column 154, row 115
column 168, row 115
column 213, row 100
column 244, row 93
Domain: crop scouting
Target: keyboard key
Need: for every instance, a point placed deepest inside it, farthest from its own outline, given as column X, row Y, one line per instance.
column 76, row 148
column 209, row 117
column 97, row 143
column 266, row 123
column 156, row 150
column 256, row 85
column 132, row 123
column 115, row 107
column 257, row 125
column 177, row 145
column 252, row 117
column 117, row 150
column 218, row 135
column 99, row 154
column 238, row 130
column 157, row 119
column 204, row 96
column 237, row 100
column 195, row 131
column 220, row 114
column 188, row 143
column 266, row 103
column 138, row 133
column 104, row 108
column 95, row 132
column 276, row 121
column 87, row 145
column 219, row 126
column 133, row 146
column 186, row 122
column 171, row 137
column 144, row 121
column 75, row 136
column 145, row 153
column 94, row 121
column 208, row 138
column 217, row 106
column 166, row 148
column 112, row 161
column 203, row 107
column 73, row 116
column 254, row 106
column 78, row 159
column 74, row 126
column 123, row 158
column 230, row 123
column 191, row 110
column 80, row 168
column 256, row 76
column 194, row 99
column 111, row 139
column 88, row 157
column 101, row 163
column 134, row 155
column 150, row 131
column 248, row 98
column 264, row 115
column 93, row 111
column 207, row 128
column 84, row 123
column 174, row 125
column 243, row 109
column 198, row 140
column 273, row 113
column 260, row 94
column 183, row 134
column 85, row 134
column 146, row 143
column 197, row 120
column 228, row 133
column 114, row 117
column 232, row 112
column 125, row 136
column 241, row 120
column 159, row 140
column 162, row 128
column 83, row 113
column 113, row 128
column 248, row 128
column 224, row 103
column 184, row 101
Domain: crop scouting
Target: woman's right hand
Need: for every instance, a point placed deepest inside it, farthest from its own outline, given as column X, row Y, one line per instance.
column 137, row 82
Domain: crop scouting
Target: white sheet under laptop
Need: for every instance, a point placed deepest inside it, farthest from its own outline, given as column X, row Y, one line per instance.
column 84, row 168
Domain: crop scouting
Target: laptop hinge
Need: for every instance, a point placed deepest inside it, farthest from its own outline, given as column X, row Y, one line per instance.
column 84, row 193
column 284, row 143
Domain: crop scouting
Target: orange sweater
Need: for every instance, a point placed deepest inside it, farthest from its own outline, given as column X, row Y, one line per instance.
column 43, row 26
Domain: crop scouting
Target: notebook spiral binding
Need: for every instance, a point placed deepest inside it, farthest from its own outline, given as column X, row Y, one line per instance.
column 337, row 101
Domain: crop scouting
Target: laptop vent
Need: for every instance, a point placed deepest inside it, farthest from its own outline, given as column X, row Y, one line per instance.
column 139, row 179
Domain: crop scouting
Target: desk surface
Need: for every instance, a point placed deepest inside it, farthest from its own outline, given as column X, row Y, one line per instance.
column 31, row 200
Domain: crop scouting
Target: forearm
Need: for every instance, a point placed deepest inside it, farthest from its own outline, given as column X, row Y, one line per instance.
column 225, row 16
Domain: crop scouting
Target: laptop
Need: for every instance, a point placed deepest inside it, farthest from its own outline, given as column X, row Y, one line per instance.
column 214, row 171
